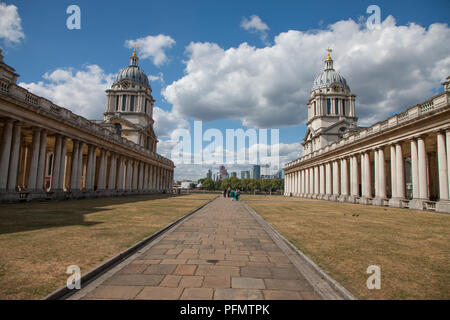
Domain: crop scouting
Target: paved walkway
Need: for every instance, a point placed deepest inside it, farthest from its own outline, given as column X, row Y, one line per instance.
column 221, row 252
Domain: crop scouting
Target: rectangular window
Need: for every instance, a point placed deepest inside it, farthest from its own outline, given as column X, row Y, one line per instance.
column 315, row 109
column 117, row 103
column 145, row 105
column 328, row 106
column 132, row 103
column 336, row 106
column 124, row 102
column 343, row 107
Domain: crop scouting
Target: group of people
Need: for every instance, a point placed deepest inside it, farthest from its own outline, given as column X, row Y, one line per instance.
column 234, row 194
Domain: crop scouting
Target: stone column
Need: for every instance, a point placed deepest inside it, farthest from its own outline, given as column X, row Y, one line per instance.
column 344, row 172
column 56, row 163
column 74, row 166
column 316, row 180
column 62, row 168
column 141, row 176
column 393, row 172
column 442, row 165
column 355, row 177
column 381, row 173
column 336, row 179
column 322, row 179
column 311, row 181
column 121, row 173
column 5, row 153
column 80, row 165
column 414, row 170
column 329, row 180
column 135, row 175
column 34, row 159
column 129, row 175
column 376, row 173
column 367, row 176
column 399, row 165
column 306, row 182
column 14, row 158
column 90, row 169
column 145, row 183
column 101, row 185
column 294, row 183
column 41, row 161
column 112, row 171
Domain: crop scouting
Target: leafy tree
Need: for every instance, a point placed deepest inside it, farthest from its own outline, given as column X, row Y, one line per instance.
column 208, row 184
column 192, row 185
column 235, row 182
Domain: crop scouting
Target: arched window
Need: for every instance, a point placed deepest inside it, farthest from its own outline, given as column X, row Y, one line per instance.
column 343, row 107
column 132, row 103
column 124, row 102
column 328, row 106
column 336, row 106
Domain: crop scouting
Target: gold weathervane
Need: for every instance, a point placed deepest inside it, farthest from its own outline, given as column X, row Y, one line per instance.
column 329, row 51
column 134, row 51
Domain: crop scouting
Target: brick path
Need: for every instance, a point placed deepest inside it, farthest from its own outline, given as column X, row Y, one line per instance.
column 221, row 252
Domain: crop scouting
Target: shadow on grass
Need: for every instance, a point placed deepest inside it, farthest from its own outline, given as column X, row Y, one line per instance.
column 20, row 217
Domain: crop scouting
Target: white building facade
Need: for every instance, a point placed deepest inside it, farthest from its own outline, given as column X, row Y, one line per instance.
column 48, row 152
column 402, row 161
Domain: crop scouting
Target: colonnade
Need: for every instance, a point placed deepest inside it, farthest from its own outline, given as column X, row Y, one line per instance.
column 35, row 161
column 410, row 173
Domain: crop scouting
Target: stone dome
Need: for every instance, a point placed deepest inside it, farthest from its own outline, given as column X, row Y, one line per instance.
column 134, row 74
column 328, row 77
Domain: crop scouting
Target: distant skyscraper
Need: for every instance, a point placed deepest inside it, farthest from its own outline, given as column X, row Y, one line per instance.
column 209, row 174
column 223, row 172
column 256, row 171
column 233, row 174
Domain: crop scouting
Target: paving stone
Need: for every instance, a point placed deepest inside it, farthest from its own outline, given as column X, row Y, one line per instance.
column 133, row 269
column 282, row 284
column 146, row 261
column 159, row 293
column 173, row 261
column 115, row 292
column 256, row 272
column 134, row 280
column 197, row 294
column 247, row 283
column 238, row 294
column 191, row 282
column 216, row 282
column 160, row 269
column 281, row 295
column 213, row 270
column 185, row 270
column 171, row 281
column 285, row 273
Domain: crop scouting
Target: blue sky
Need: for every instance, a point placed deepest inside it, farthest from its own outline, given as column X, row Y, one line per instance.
column 47, row 45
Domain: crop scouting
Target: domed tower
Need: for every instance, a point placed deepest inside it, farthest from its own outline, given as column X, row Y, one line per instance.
column 129, row 105
column 331, row 109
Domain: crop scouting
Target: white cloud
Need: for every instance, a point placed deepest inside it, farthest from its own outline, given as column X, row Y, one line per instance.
column 388, row 69
column 159, row 78
column 81, row 91
column 166, row 122
column 255, row 25
column 10, row 24
column 153, row 47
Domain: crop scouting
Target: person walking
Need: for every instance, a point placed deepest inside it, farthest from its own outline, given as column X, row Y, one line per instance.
column 225, row 193
column 237, row 194
column 228, row 192
column 232, row 194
